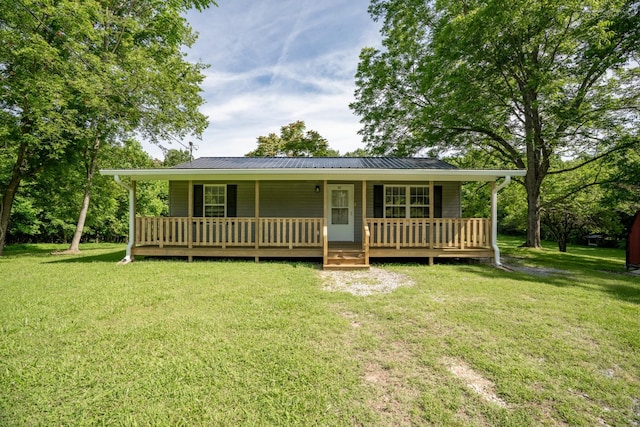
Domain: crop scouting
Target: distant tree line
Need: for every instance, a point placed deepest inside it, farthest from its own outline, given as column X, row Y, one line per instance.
column 46, row 209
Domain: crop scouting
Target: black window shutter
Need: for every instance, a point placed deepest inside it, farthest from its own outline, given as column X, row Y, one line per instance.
column 378, row 201
column 232, row 200
column 198, row 200
column 437, row 201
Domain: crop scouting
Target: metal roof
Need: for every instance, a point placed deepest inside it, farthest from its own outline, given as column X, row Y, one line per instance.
column 314, row 163
column 315, row 168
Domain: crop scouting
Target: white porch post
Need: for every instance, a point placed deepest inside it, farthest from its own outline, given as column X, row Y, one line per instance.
column 258, row 228
column 190, row 220
column 132, row 217
column 494, row 217
column 432, row 223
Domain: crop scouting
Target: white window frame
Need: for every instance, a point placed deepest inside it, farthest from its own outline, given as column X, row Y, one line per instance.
column 407, row 202
column 205, row 204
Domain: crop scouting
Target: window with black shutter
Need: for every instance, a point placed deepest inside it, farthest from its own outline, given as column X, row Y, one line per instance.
column 215, row 200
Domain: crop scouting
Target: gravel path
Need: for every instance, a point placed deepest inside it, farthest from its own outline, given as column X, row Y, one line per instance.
column 363, row 283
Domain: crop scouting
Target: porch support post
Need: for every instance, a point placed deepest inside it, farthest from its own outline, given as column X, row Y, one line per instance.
column 494, row 218
column 190, row 220
column 364, row 203
column 132, row 217
column 325, row 241
column 431, row 221
column 258, row 228
column 365, row 244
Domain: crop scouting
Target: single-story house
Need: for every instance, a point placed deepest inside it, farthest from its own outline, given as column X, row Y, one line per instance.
column 342, row 210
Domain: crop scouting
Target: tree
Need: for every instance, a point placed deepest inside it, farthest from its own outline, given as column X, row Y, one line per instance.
column 358, row 152
column 35, row 121
column 173, row 157
column 572, row 203
column 46, row 209
column 136, row 47
column 79, row 76
column 527, row 83
column 292, row 142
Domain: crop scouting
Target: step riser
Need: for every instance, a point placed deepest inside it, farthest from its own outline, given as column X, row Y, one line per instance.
column 346, row 259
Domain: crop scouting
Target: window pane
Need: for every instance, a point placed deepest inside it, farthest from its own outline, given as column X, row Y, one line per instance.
column 340, row 198
column 420, row 196
column 419, row 212
column 395, row 212
column 340, row 216
column 395, row 195
column 214, row 211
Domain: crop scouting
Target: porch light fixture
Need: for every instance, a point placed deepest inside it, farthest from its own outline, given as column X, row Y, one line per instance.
column 317, row 188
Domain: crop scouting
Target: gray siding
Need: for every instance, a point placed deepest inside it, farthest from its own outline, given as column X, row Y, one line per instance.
column 451, row 204
column 178, row 198
column 290, row 199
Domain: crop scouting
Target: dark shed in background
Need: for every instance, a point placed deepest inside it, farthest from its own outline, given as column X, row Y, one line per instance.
column 633, row 243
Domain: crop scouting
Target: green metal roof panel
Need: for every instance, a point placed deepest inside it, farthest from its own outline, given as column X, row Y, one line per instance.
column 315, row 163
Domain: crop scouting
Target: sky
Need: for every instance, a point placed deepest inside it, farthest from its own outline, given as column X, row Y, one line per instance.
column 273, row 62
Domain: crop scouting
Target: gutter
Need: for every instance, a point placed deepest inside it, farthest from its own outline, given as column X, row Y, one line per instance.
column 127, row 259
column 494, row 219
column 317, row 173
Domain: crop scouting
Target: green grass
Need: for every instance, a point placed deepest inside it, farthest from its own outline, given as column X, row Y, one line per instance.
column 86, row 342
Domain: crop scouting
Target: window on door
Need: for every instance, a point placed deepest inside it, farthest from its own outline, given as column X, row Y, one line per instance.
column 339, row 206
column 406, row 201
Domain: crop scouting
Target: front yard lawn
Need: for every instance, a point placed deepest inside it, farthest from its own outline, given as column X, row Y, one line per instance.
column 84, row 341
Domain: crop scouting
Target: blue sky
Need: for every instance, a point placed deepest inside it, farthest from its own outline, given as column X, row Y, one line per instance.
column 273, row 62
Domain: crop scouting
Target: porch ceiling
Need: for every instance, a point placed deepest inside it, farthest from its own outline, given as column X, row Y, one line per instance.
column 337, row 174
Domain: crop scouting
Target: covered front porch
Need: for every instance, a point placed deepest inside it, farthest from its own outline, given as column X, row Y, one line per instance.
column 342, row 211
column 308, row 238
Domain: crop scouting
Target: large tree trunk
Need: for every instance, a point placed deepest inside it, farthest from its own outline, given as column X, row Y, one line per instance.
column 533, row 213
column 10, row 194
column 82, row 217
column 5, row 209
column 77, row 235
column 537, row 166
column 562, row 242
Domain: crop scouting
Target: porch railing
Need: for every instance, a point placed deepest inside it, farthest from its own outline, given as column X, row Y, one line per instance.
column 223, row 232
column 436, row 233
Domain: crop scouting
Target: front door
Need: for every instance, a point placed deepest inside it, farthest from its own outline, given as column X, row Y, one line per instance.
column 340, row 214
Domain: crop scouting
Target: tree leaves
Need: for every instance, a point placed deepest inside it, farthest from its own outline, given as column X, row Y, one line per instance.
column 292, row 142
column 529, row 83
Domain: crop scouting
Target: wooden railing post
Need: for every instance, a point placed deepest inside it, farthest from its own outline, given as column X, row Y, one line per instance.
column 325, row 243
column 366, row 235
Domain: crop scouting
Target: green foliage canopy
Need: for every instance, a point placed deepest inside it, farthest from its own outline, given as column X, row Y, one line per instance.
column 293, row 141
column 528, row 83
column 78, row 75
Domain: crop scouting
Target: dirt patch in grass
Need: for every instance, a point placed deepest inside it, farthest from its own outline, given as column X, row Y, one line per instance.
column 390, row 378
column 514, row 264
column 475, row 381
column 363, row 283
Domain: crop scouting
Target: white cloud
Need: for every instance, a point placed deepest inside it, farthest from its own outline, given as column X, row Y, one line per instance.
column 277, row 61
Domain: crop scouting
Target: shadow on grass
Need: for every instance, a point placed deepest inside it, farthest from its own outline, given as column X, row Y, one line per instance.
column 625, row 287
column 87, row 258
column 28, row 249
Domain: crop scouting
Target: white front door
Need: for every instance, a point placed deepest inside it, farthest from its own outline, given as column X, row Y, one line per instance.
column 340, row 214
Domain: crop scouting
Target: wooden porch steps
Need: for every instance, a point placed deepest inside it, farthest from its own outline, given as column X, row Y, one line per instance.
column 345, row 259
